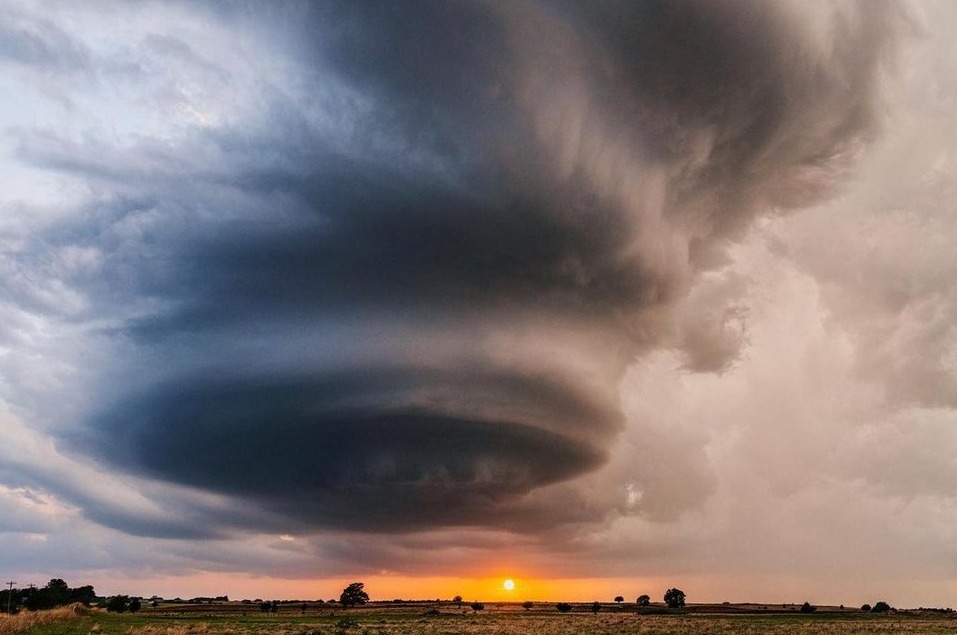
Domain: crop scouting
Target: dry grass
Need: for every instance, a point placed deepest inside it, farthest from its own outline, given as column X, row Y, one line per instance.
column 29, row 620
column 68, row 621
column 575, row 624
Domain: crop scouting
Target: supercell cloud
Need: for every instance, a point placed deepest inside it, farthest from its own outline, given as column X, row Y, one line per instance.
column 400, row 287
column 384, row 266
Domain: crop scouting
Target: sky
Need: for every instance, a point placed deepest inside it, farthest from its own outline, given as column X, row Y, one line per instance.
column 604, row 297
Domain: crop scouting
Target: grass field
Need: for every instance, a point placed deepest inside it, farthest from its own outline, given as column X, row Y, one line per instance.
column 450, row 620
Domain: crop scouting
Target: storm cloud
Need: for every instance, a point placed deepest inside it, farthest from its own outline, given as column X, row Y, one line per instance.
column 656, row 289
column 395, row 282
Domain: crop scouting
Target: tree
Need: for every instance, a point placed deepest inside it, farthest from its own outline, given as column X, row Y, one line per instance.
column 83, row 594
column 866, row 608
column 619, row 599
column 674, row 598
column 118, row 603
column 563, row 607
column 527, row 605
column 458, row 600
column 135, row 605
column 595, row 607
column 10, row 599
column 881, row 607
column 643, row 600
column 353, row 595
column 807, row 608
column 58, row 592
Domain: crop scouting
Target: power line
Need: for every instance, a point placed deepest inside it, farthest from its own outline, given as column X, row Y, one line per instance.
column 9, row 595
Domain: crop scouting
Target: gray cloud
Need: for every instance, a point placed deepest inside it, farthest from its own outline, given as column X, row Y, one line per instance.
column 40, row 44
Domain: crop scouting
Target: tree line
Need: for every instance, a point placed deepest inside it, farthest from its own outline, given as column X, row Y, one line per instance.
column 58, row 593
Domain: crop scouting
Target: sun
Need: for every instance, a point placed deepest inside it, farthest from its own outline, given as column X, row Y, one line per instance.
column 509, row 585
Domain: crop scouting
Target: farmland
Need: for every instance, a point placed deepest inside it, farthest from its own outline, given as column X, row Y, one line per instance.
column 451, row 619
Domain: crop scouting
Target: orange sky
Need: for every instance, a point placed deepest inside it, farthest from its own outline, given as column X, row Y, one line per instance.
column 699, row 588
column 387, row 587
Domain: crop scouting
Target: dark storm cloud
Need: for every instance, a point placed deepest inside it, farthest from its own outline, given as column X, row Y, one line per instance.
column 339, row 450
column 528, row 189
column 401, row 248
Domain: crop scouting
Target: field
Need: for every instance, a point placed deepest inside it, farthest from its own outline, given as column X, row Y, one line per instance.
column 449, row 619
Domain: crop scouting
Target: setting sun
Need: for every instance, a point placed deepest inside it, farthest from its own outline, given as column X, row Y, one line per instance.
column 509, row 585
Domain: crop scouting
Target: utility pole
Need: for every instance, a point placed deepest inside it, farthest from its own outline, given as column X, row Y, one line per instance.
column 9, row 595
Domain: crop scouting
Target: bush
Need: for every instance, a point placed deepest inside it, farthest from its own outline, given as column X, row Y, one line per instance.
column 527, row 606
column 643, row 600
column 595, row 607
column 807, row 608
column 881, row 607
column 866, row 608
column 563, row 607
column 478, row 606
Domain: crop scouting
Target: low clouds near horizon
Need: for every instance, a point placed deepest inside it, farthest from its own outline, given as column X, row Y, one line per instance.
column 657, row 287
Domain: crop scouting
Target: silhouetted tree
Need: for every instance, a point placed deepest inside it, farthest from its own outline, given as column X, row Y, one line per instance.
column 643, row 600
column 118, row 603
column 55, row 593
column 881, row 607
column 866, row 608
column 595, row 607
column 135, row 605
column 563, row 607
column 83, row 594
column 58, row 591
column 619, row 599
column 527, row 605
column 807, row 608
column 458, row 600
column 674, row 598
column 353, row 595
column 265, row 606
column 11, row 598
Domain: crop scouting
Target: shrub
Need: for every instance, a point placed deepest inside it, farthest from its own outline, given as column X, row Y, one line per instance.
column 478, row 606
column 866, row 608
column 527, row 606
column 807, row 608
column 643, row 600
column 563, row 607
column 881, row 607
